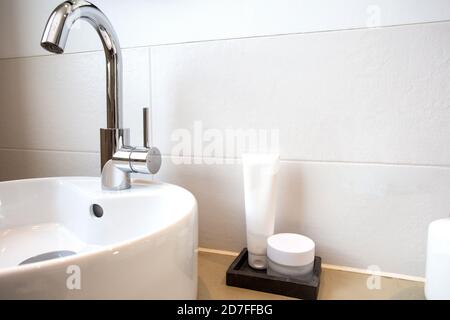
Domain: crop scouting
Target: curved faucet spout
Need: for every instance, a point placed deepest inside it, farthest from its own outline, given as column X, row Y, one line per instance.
column 118, row 159
column 55, row 37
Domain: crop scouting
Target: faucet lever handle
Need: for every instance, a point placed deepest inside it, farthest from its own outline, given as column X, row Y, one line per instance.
column 146, row 126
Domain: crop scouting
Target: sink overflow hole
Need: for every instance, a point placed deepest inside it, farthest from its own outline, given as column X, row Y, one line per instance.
column 97, row 210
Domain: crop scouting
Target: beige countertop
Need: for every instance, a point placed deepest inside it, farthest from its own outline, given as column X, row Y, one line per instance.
column 334, row 284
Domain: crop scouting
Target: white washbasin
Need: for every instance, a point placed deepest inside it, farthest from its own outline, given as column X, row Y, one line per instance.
column 143, row 247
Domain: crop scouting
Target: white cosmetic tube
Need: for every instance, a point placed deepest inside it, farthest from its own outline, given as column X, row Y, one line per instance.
column 260, row 177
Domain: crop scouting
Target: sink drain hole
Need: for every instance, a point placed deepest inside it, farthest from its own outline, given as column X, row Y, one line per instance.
column 97, row 210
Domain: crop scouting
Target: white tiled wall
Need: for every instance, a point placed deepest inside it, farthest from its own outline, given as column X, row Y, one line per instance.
column 363, row 114
column 174, row 21
column 377, row 95
column 359, row 214
column 22, row 164
column 59, row 102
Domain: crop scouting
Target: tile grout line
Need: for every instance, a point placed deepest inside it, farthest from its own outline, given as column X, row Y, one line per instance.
column 150, row 98
column 228, row 161
column 49, row 150
column 236, row 38
column 287, row 34
column 331, row 267
column 221, row 252
column 150, row 93
column 234, row 160
column 371, row 273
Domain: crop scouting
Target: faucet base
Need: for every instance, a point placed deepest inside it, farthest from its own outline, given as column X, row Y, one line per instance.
column 113, row 178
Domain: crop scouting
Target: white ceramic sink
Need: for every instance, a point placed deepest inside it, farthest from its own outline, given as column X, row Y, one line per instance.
column 52, row 246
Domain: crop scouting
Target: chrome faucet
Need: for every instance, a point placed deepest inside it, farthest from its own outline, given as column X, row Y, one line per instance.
column 118, row 158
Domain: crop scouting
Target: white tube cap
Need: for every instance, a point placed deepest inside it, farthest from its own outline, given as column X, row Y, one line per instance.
column 290, row 249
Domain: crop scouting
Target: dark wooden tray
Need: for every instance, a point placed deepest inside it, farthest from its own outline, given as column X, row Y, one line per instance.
column 241, row 275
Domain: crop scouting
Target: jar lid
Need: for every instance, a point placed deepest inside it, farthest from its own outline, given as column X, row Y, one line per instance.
column 290, row 249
